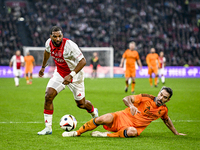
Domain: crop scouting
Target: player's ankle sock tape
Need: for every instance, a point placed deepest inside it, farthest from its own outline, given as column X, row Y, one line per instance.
column 95, row 122
column 125, row 134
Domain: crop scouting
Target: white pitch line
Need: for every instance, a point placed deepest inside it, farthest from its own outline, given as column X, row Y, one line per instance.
column 35, row 122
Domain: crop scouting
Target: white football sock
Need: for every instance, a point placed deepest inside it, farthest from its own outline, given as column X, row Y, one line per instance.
column 163, row 79
column 16, row 79
column 48, row 120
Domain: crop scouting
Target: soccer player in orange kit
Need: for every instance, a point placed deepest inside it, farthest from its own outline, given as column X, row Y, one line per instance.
column 142, row 110
column 131, row 56
column 29, row 64
column 152, row 60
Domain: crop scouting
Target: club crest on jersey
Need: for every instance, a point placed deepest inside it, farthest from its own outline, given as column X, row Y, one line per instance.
column 59, row 54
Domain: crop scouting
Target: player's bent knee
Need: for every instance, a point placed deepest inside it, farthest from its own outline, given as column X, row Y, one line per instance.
column 49, row 96
column 131, row 132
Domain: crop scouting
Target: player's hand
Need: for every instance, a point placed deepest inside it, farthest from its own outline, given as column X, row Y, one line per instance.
column 41, row 72
column 121, row 65
column 181, row 134
column 67, row 79
column 134, row 110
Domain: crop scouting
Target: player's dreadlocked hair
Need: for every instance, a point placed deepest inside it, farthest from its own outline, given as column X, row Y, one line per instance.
column 55, row 29
column 169, row 90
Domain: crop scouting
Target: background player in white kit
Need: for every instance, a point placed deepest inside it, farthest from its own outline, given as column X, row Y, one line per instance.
column 17, row 61
column 162, row 65
column 69, row 62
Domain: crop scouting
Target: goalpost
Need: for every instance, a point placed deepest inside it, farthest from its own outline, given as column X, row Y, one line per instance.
column 105, row 54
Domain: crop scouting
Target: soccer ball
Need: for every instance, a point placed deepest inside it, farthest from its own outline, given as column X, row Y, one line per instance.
column 68, row 122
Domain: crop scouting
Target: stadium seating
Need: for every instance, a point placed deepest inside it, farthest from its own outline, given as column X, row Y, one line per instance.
column 166, row 25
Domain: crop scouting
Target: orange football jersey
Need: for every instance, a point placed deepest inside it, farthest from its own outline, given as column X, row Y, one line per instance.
column 131, row 57
column 152, row 59
column 29, row 60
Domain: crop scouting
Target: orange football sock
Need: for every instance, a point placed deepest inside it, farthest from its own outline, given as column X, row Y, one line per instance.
column 156, row 79
column 26, row 78
column 126, row 83
column 132, row 86
column 151, row 81
column 120, row 133
column 90, row 125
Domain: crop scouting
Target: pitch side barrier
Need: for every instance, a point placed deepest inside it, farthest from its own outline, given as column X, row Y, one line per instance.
column 103, row 72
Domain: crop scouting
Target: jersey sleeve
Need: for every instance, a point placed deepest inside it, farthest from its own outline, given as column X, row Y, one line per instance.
column 12, row 59
column 137, row 56
column 47, row 46
column 124, row 55
column 137, row 99
column 75, row 50
column 22, row 59
column 164, row 59
column 147, row 60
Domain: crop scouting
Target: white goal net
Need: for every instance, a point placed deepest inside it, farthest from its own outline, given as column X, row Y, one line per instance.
column 105, row 54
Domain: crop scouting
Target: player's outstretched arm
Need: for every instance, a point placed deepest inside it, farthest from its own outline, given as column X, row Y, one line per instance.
column 170, row 125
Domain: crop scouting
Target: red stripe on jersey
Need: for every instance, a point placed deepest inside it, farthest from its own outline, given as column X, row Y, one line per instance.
column 18, row 62
column 57, row 55
column 161, row 64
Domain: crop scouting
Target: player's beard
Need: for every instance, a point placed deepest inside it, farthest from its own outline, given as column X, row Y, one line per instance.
column 159, row 104
column 55, row 43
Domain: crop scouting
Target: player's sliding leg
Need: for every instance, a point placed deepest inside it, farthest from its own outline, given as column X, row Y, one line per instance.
column 85, row 104
column 106, row 119
column 124, row 133
column 88, row 126
column 48, row 111
column 128, row 132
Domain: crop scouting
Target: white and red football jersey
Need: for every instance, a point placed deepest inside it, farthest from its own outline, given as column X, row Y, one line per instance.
column 162, row 62
column 66, row 56
column 17, row 61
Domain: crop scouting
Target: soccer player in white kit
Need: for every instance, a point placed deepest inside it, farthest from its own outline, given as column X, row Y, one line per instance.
column 17, row 61
column 162, row 64
column 69, row 62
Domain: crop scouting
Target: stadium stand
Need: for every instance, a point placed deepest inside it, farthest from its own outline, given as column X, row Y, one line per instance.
column 168, row 25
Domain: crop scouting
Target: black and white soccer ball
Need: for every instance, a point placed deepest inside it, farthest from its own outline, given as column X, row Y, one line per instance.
column 68, row 122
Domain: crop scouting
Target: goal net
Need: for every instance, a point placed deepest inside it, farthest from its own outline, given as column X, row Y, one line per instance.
column 105, row 55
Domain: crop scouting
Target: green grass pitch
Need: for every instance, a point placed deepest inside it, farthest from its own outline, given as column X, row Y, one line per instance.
column 21, row 116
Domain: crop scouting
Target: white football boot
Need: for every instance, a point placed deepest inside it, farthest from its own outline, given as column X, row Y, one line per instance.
column 95, row 113
column 69, row 134
column 46, row 131
column 99, row 134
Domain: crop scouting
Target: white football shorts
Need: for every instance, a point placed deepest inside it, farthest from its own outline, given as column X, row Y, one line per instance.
column 77, row 88
column 161, row 71
column 17, row 72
